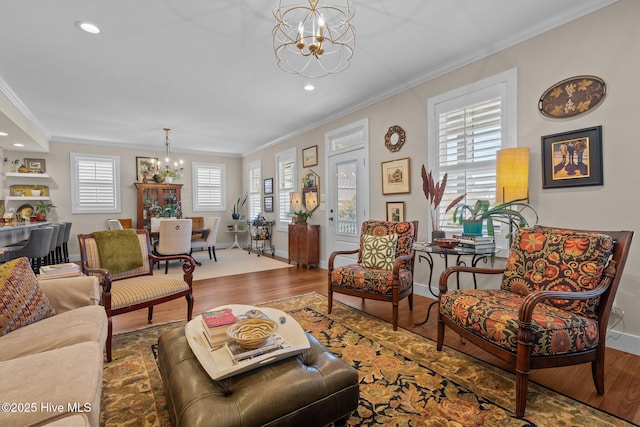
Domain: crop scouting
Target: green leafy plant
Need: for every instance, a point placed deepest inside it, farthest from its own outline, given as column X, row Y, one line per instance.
column 43, row 206
column 510, row 213
column 433, row 191
column 240, row 204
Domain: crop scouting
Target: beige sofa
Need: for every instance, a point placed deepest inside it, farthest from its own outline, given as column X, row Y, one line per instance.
column 51, row 370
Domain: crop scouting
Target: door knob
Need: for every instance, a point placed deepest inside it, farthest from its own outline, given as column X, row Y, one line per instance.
column 330, row 218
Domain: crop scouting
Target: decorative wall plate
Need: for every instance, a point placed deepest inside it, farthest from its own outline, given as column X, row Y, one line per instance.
column 572, row 97
column 395, row 138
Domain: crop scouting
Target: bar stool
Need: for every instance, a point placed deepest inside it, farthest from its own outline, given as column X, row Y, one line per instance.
column 58, row 250
column 49, row 259
column 36, row 248
column 65, row 242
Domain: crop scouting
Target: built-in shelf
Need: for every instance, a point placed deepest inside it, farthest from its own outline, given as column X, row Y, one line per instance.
column 26, row 175
column 26, row 198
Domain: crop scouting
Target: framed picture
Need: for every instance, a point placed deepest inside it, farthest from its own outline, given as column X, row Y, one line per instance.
column 396, row 176
column 395, row 211
column 310, row 156
column 146, row 168
column 572, row 159
column 35, row 165
column 268, row 204
column 268, row 186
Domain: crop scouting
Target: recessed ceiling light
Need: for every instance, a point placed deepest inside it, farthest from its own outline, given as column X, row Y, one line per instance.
column 88, row 27
column 17, row 144
column 309, row 87
column 4, row 134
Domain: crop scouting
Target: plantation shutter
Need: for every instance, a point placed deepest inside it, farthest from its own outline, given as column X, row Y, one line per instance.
column 94, row 182
column 286, row 184
column 468, row 140
column 255, row 189
column 208, row 185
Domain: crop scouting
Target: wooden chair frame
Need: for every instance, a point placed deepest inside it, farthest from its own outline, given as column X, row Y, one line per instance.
column 522, row 359
column 395, row 297
column 106, row 280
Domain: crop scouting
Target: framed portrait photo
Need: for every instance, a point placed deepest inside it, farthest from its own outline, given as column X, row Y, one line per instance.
column 268, row 204
column 35, row 165
column 395, row 211
column 310, row 156
column 268, row 186
column 572, row 159
column 145, row 168
column 396, row 176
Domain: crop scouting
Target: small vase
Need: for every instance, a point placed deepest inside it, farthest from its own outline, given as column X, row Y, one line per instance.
column 235, row 216
column 472, row 228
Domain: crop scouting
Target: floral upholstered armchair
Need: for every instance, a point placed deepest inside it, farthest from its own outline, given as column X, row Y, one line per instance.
column 384, row 270
column 552, row 307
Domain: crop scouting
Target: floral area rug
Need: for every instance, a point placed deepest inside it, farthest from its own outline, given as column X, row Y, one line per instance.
column 404, row 380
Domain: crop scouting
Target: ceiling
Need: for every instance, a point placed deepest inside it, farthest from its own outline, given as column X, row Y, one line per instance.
column 206, row 68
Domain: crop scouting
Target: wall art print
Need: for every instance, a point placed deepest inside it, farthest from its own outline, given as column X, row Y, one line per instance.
column 396, row 176
column 572, row 159
column 572, row 97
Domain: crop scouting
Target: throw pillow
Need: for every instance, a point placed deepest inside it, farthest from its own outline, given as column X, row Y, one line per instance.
column 379, row 252
column 22, row 302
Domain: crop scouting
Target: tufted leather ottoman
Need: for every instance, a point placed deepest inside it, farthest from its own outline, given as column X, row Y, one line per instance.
column 312, row 388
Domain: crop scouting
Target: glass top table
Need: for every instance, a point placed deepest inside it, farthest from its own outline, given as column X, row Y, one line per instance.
column 425, row 252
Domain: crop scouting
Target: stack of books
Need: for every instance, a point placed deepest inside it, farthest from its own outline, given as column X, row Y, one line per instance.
column 215, row 325
column 58, row 271
column 239, row 354
column 475, row 242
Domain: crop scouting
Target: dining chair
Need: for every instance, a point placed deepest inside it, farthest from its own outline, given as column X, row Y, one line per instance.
column 174, row 238
column 65, row 241
column 114, row 224
column 213, row 223
column 552, row 307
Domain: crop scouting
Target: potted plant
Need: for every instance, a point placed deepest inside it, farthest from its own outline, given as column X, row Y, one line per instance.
column 235, row 213
column 433, row 191
column 42, row 208
column 300, row 217
column 510, row 213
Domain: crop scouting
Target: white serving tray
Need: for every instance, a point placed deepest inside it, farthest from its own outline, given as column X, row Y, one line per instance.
column 218, row 363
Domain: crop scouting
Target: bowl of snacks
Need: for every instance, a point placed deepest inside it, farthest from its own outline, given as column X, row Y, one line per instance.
column 252, row 333
column 445, row 243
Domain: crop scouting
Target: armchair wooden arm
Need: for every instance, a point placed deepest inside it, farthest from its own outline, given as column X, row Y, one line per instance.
column 444, row 277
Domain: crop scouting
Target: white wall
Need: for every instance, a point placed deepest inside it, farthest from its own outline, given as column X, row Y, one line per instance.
column 606, row 44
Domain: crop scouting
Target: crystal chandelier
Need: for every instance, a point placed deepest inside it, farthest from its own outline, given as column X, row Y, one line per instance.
column 313, row 39
column 177, row 166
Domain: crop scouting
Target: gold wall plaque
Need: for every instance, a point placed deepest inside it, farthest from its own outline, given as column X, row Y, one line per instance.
column 572, row 97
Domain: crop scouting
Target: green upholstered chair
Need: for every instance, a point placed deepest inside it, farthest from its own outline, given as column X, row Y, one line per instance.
column 135, row 288
column 552, row 307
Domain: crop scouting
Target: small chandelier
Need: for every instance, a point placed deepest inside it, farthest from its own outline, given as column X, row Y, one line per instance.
column 177, row 166
column 313, row 40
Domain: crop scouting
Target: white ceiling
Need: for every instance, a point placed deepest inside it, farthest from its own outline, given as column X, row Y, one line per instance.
column 206, row 68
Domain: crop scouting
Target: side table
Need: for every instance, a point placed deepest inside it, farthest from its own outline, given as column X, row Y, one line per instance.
column 235, row 230
column 425, row 252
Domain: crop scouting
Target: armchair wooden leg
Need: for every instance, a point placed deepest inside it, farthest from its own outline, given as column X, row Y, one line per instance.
column 410, row 298
column 189, row 306
column 597, row 371
column 330, row 302
column 395, row 316
column 440, row 339
column 109, row 335
column 522, row 384
column 150, row 315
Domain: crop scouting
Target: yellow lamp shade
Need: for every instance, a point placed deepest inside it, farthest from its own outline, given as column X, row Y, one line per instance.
column 512, row 174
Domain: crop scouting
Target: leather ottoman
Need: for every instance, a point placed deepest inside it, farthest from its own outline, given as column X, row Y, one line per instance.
column 311, row 388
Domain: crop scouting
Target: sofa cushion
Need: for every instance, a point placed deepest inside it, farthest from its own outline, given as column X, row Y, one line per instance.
column 379, row 251
column 64, row 379
column 82, row 324
column 22, row 302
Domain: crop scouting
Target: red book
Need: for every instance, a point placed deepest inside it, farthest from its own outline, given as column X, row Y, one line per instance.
column 213, row 319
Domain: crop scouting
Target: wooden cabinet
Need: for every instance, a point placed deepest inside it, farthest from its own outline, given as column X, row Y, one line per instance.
column 304, row 244
column 156, row 200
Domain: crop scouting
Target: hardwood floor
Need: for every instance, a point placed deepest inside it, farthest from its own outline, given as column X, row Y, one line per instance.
column 622, row 372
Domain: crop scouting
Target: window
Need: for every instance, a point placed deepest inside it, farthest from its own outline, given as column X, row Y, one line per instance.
column 255, row 188
column 209, row 192
column 287, row 182
column 467, row 128
column 95, row 186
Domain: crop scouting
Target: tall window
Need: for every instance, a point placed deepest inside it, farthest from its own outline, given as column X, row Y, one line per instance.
column 255, row 188
column 95, row 186
column 209, row 192
column 467, row 128
column 287, row 182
